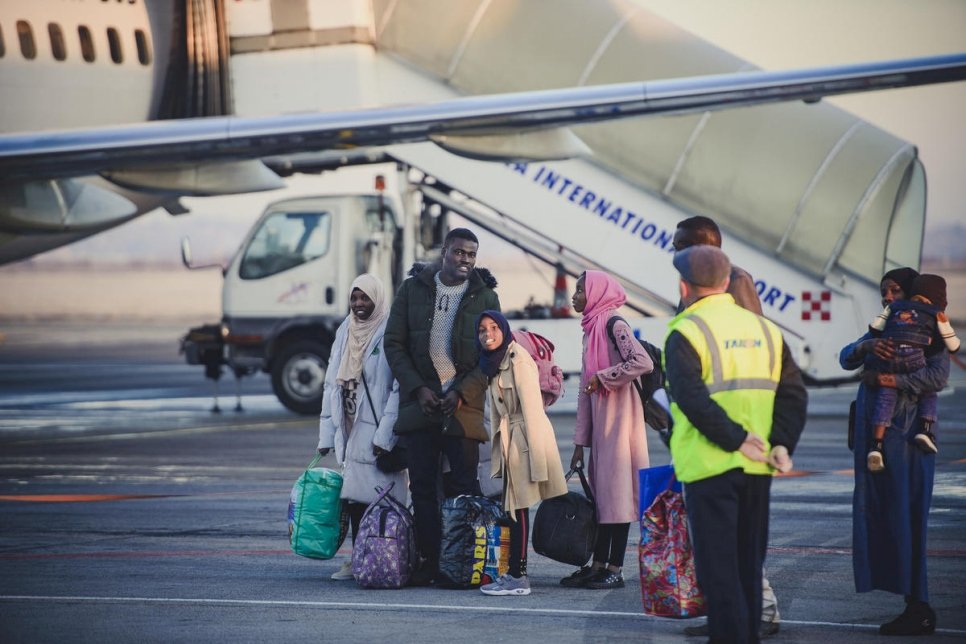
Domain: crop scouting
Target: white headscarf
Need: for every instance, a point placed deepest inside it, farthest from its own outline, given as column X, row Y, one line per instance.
column 361, row 332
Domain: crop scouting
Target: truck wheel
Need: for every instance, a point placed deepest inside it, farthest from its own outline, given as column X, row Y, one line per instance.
column 298, row 374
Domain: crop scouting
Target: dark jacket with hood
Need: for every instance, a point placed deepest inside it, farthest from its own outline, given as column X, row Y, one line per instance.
column 407, row 350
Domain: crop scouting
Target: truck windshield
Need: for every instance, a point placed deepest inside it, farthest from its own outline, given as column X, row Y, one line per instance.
column 286, row 240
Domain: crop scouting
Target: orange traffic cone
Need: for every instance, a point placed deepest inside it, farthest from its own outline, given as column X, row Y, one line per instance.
column 561, row 303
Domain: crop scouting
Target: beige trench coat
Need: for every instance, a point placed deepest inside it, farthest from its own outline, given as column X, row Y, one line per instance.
column 524, row 449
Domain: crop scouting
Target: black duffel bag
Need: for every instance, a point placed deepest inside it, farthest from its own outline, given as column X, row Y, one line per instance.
column 565, row 528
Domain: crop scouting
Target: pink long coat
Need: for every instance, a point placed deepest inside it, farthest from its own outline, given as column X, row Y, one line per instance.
column 612, row 426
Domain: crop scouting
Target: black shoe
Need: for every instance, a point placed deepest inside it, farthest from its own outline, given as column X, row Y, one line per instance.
column 579, row 578
column 423, row 576
column 605, row 580
column 767, row 629
column 701, row 630
column 917, row 619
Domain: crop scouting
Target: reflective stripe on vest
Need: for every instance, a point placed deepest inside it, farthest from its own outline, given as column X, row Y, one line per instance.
column 718, row 382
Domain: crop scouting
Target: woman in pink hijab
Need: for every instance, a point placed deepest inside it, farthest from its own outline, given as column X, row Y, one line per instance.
column 610, row 421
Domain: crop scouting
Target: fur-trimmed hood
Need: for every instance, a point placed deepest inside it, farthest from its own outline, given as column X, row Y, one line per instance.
column 429, row 270
column 409, row 335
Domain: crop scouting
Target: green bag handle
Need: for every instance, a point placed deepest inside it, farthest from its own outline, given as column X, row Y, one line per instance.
column 298, row 525
column 315, row 460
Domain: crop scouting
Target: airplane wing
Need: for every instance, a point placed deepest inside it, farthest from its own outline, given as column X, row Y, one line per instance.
column 52, row 154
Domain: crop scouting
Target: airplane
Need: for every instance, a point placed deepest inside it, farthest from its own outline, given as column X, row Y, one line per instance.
column 137, row 120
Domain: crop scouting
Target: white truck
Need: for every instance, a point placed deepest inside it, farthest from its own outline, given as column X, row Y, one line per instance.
column 286, row 289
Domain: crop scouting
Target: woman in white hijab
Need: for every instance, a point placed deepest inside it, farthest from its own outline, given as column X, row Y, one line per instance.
column 360, row 403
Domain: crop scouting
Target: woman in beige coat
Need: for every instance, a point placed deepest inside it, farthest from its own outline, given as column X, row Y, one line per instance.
column 524, row 449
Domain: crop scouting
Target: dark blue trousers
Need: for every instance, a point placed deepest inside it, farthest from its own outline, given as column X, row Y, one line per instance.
column 424, row 451
column 728, row 519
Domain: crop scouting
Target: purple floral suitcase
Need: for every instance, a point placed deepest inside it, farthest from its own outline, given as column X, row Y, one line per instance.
column 384, row 552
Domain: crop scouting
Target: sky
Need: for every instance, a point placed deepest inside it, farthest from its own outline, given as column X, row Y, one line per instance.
column 788, row 34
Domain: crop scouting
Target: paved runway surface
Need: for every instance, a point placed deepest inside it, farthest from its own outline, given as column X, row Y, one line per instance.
column 129, row 512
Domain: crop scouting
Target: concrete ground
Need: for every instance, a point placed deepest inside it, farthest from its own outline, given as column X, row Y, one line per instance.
column 129, row 512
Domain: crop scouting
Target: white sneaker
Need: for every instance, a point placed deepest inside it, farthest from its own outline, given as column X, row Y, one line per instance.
column 926, row 442
column 344, row 573
column 875, row 462
column 507, row 585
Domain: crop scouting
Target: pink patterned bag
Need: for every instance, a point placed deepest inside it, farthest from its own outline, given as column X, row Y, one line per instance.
column 669, row 587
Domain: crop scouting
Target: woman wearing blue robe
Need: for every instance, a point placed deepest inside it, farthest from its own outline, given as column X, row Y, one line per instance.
column 890, row 509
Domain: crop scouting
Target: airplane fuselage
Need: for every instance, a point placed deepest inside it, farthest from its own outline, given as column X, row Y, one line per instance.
column 99, row 56
column 68, row 64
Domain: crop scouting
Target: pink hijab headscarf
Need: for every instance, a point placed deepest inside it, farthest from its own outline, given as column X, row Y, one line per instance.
column 604, row 296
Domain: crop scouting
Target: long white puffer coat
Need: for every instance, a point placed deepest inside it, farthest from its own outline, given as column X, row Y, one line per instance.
column 360, row 474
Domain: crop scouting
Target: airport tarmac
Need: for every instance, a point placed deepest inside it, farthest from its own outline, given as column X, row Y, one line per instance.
column 130, row 512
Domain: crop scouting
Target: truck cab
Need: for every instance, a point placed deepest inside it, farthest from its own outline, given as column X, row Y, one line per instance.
column 285, row 293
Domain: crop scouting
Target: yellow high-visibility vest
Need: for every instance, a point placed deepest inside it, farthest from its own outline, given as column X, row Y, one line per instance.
column 741, row 355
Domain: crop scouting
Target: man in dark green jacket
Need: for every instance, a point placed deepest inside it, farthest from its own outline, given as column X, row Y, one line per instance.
column 430, row 344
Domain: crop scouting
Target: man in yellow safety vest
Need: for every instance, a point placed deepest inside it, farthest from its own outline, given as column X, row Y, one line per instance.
column 738, row 405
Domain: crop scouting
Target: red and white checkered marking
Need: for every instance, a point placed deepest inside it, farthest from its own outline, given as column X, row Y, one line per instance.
column 817, row 305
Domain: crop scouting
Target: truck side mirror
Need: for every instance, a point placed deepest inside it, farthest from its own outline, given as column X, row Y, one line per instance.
column 187, row 260
column 186, row 252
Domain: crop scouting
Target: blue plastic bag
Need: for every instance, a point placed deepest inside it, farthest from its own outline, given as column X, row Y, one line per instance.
column 653, row 481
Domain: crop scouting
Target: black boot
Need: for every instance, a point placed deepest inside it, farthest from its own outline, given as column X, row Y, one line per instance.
column 918, row 619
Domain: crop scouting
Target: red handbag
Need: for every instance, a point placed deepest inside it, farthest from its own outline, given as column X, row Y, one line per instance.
column 669, row 587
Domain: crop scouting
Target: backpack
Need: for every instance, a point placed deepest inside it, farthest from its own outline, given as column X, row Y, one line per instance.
column 550, row 375
column 647, row 384
column 384, row 552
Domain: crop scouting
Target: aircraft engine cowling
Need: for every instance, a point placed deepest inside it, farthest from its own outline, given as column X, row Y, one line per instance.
column 61, row 206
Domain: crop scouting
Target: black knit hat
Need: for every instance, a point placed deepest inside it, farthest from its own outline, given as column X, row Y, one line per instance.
column 702, row 265
column 903, row 277
column 932, row 287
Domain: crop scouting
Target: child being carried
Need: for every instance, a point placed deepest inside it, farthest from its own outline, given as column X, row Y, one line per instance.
column 913, row 325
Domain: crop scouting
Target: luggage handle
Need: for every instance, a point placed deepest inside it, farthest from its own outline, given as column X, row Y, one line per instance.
column 669, row 488
column 315, row 460
column 583, row 482
column 390, row 500
column 383, row 494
